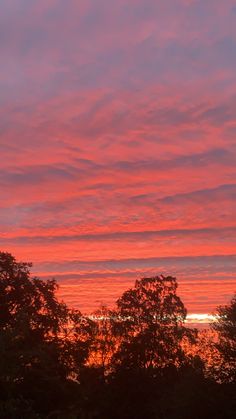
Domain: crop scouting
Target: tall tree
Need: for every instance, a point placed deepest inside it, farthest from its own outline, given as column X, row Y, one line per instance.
column 152, row 325
column 41, row 340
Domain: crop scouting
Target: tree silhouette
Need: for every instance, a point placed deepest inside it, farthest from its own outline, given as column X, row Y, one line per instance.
column 104, row 340
column 225, row 326
column 152, row 326
column 37, row 351
column 28, row 301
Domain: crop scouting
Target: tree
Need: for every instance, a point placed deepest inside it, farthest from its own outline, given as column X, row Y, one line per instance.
column 150, row 356
column 28, row 301
column 104, row 339
column 152, row 325
column 225, row 327
column 41, row 341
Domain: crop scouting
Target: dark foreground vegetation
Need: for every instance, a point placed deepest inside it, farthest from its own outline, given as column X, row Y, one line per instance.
column 139, row 361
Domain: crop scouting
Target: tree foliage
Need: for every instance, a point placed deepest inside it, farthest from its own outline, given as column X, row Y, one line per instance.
column 225, row 327
column 37, row 351
column 152, row 326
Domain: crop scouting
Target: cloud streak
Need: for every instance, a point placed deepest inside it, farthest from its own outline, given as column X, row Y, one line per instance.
column 117, row 123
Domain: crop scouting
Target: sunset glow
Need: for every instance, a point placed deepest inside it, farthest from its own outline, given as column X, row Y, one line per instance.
column 118, row 151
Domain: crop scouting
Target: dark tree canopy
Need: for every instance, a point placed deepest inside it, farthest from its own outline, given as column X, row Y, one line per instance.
column 225, row 326
column 152, row 325
column 28, row 300
column 153, row 301
column 41, row 341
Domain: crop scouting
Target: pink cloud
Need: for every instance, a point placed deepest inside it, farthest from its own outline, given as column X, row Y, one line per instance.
column 117, row 120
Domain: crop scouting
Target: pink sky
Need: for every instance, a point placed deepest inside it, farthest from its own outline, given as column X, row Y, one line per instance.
column 118, row 149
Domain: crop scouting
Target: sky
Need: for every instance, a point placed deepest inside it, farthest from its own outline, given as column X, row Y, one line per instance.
column 118, row 151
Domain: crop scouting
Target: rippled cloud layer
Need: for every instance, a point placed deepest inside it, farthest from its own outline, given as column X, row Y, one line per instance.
column 118, row 149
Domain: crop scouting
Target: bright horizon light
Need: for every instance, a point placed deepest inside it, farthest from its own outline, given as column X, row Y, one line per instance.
column 200, row 318
column 191, row 318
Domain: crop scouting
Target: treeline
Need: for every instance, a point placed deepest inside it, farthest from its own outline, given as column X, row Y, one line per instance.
column 138, row 361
